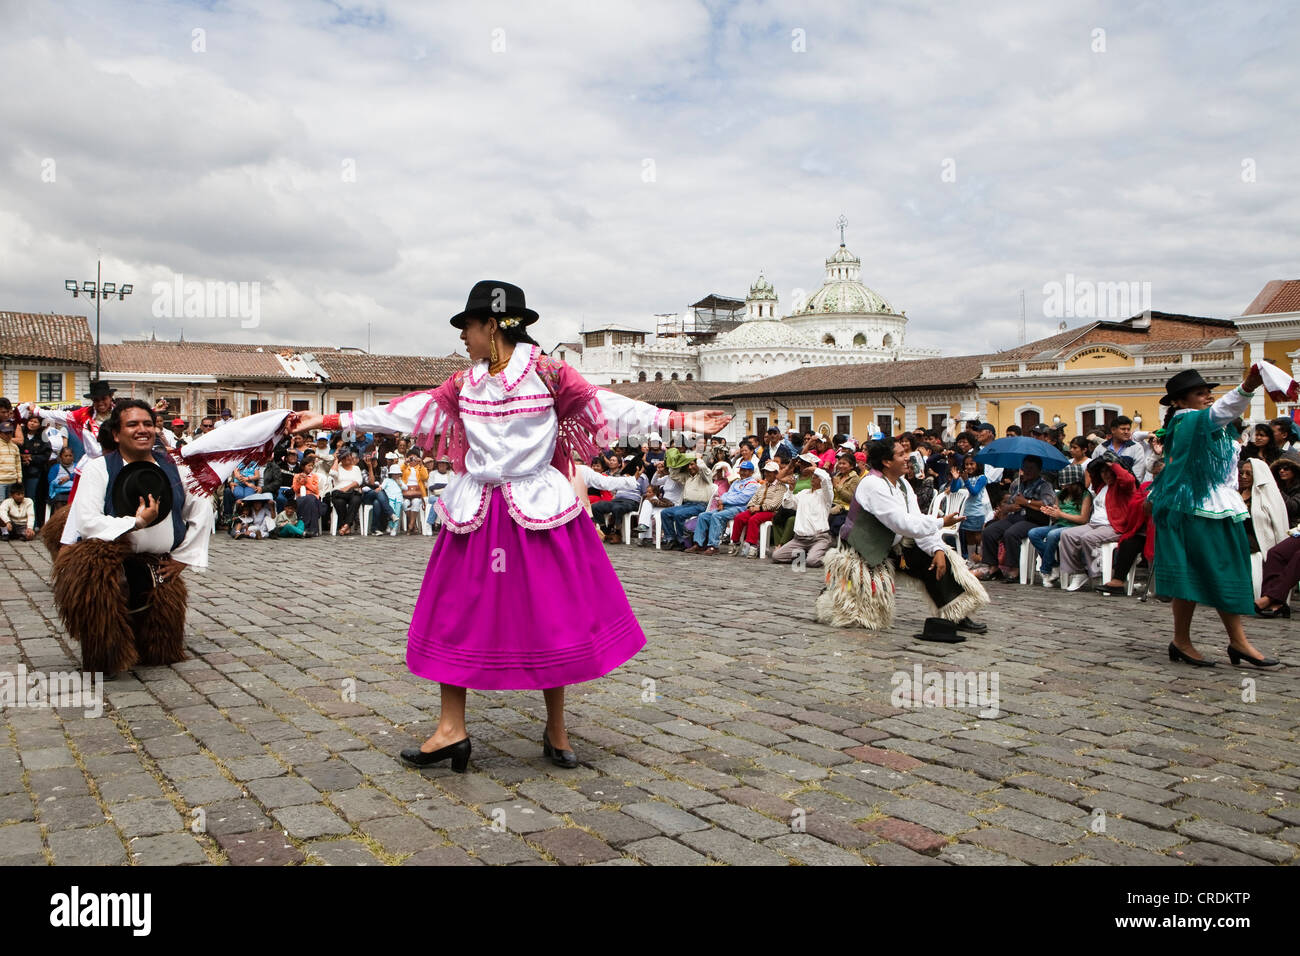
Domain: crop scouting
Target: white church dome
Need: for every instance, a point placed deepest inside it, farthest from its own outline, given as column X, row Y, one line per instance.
column 765, row 333
column 842, row 292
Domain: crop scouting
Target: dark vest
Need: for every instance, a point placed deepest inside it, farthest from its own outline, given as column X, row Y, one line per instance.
column 869, row 537
column 113, row 460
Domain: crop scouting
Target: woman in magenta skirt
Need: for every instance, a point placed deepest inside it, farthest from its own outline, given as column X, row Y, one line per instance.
column 518, row 594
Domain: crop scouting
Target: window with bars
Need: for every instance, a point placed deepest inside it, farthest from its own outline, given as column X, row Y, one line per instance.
column 51, row 387
column 344, row 406
column 302, row 404
column 805, row 424
column 256, row 405
column 844, row 424
column 215, row 406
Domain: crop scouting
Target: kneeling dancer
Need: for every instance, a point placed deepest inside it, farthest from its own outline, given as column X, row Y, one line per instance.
column 890, row 533
column 119, row 589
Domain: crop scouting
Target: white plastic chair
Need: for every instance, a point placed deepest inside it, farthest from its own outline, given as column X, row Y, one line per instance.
column 363, row 519
column 1106, row 557
column 947, row 503
column 1031, row 562
column 764, row 534
column 627, row 529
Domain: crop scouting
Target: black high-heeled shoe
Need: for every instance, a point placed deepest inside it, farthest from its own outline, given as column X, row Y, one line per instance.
column 458, row 752
column 561, row 758
column 1237, row 657
column 1176, row 655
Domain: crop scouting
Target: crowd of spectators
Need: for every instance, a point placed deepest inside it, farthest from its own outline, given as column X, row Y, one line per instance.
column 708, row 498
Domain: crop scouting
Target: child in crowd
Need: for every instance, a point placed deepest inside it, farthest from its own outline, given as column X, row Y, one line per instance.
column 391, row 488
column 287, row 522
column 17, row 516
column 61, row 477
column 1073, row 507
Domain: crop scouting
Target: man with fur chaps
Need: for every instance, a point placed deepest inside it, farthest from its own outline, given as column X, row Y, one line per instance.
column 118, row 588
column 891, row 534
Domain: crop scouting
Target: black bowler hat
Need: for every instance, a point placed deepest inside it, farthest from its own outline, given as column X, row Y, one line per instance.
column 1184, row 382
column 494, row 299
column 135, row 482
column 939, row 630
column 99, row 389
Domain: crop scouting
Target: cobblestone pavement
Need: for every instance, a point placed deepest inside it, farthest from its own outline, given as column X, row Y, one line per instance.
column 764, row 738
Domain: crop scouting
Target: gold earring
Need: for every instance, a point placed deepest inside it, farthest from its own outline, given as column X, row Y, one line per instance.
column 493, row 360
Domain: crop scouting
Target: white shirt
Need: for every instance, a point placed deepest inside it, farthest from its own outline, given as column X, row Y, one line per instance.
column 669, row 487
column 511, row 429
column 895, row 506
column 1099, row 508
column 348, row 476
column 87, row 520
column 813, row 507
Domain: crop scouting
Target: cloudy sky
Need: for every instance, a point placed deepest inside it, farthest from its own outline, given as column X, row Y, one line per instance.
column 366, row 163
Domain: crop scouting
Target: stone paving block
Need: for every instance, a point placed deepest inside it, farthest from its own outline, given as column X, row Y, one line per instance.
column 232, row 816
column 1212, row 854
column 792, row 767
column 147, row 818
column 521, row 816
column 260, row 848
column 893, row 854
column 442, row 814
column 884, row 758
column 364, row 804
column 747, row 823
column 664, row 817
column 127, row 787
column 17, row 808
column 442, row 856
column 199, row 791
column 1031, row 825
column 330, row 775
column 681, row 794
column 1020, row 846
column 573, row 847
column 727, row 847
column 48, row 758
column 965, row 854
column 276, row 792
column 20, row 844
column 1230, row 796
column 100, row 846
column 1250, row 843
column 811, row 851
column 1150, row 814
column 614, row 826
column 306, row 822
column 71, row 813
column 171, row 745
column 494, row 847
column 341, row 853
column 168, row 849
column 255, row 768
column 916, row 838
column 473, row 788
column 1117, row 854
column 661, row 851
column 931, row 816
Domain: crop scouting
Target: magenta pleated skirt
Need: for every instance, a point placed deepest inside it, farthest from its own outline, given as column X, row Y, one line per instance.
column 506, row 608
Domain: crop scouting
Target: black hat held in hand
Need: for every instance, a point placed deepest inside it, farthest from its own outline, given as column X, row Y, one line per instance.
column 135, row 483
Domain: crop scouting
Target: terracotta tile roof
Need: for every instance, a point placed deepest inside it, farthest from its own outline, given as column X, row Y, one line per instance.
column 1189, row 345
column 680, row 392
column 955, row 371
column 1279, row 295
column 358, row 368
column 39, row 335
column 192, row 358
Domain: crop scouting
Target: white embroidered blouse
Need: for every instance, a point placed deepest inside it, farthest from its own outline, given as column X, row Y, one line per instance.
column 511, row 429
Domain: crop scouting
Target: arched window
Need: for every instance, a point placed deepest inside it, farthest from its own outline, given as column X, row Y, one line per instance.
column 888, row 341
column 674, row 376
column 860, row 339
column 690, row 376
column 659, row 376
column 828, row 339
column 640, row 377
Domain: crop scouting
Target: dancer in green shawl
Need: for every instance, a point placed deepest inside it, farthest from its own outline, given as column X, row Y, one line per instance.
column 1201, row 551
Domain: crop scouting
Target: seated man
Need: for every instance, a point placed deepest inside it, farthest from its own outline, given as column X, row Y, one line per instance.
column 893, row 540
column 697, row 491
column 1021, row 510
column 708, row 530
column 812, row 508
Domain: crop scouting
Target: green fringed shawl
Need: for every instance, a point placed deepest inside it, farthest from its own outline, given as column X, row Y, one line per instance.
column 1198, row 457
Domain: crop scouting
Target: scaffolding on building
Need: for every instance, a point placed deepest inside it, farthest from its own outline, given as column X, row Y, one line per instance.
column 704, row 320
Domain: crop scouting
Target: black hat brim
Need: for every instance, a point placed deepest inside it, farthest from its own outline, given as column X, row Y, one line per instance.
column 527, row 316
column 137, row 480
column 1169, row 399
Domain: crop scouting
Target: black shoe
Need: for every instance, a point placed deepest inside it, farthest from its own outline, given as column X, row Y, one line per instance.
column 975, row 627
column 1237, row 657
column 1107, row 591
column 1282, row 610
column 1176, row 655
column 458, row 752
column 561, row 758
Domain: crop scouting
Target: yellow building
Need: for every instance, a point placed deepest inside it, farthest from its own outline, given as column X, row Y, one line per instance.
column 1270, row 326
column 1091, row 374
column 45, row 357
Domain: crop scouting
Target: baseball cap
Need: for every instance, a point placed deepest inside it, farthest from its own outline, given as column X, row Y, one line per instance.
column 808, row 457
column 394, row 469
column 6, row 426
column 746, row 466
column 984, row 427
column 771, row 466
column 1040, row 429
column 178, row 421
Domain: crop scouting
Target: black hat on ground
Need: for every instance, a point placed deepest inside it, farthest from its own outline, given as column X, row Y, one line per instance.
column 939, row 630
column 135, row 482
column 494, row 299
column 1184, row 382
column 99, row 389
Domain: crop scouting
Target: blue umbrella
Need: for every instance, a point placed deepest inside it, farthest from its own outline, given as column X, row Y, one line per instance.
column 1011, row 452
